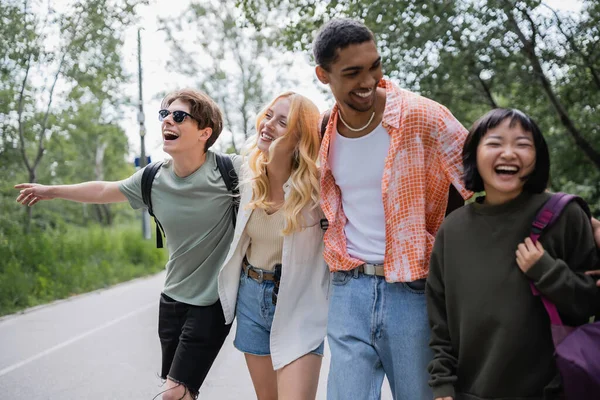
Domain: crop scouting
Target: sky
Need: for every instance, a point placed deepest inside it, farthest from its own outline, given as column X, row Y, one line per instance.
column 158, row 79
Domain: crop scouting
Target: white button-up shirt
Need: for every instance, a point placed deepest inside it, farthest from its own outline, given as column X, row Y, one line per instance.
column 300, row 321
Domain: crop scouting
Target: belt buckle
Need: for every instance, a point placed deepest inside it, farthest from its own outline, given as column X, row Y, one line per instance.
column 371, row 269
column 368, row 269
column 260, row 275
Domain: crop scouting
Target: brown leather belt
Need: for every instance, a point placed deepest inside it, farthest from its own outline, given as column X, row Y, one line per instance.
column 259, row 275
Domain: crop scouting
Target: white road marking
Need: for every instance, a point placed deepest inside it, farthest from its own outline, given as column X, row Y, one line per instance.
column 74, row 339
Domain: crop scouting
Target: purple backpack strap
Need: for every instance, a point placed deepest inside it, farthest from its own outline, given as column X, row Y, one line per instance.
column 544, row 219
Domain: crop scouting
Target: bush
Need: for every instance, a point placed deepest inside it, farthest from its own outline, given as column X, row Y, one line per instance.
column 50, row 265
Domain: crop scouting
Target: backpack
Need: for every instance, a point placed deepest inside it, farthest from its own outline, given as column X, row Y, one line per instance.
column 228, row 174
column 323, row 222
column 577, row 349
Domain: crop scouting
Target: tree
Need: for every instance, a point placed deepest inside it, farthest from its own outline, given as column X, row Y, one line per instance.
column 227, row 61
column 48, row 54
column 88, row 147
column 473, row 56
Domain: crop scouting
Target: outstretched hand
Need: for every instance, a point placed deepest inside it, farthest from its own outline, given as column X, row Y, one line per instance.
column 31, row 193
column 595, row 273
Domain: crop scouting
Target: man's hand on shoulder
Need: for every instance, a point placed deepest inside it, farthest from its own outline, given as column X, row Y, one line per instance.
column 595, row 273
column 596, row 228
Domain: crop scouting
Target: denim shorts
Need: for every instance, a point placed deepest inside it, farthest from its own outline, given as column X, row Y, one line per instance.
column 254, row 313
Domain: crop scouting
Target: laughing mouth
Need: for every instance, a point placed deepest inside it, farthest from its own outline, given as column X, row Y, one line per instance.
column 364, row 95
column 168, row 135
column 266, row 136
column 507, row 169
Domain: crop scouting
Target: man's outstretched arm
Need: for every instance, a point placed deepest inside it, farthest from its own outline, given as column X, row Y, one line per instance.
column 97, row 192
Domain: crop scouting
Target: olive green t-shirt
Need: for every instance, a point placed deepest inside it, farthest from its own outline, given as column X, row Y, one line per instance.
column 195, row 213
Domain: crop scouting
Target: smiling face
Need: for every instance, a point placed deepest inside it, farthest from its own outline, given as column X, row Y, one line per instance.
column 185, row 136
column 354, row 76
column 506, row 157
column 274, row 124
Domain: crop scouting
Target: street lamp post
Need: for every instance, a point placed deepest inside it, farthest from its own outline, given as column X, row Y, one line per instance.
column 141, row 119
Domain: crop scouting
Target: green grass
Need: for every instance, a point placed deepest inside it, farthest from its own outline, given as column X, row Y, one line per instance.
column 46, row 266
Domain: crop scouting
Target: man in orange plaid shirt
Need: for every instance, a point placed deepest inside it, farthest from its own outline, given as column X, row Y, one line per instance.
column 388, row 158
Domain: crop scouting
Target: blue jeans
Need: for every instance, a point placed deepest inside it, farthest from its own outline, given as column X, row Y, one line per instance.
column 374, row 329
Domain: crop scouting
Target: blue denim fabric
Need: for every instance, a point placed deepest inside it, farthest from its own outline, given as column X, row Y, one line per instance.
column 254, row 313
column 374, row 329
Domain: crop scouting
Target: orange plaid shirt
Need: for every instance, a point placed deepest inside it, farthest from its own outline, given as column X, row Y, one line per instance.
column 424, row 158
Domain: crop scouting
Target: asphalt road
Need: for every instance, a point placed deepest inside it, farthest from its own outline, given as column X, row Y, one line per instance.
column 104, row 345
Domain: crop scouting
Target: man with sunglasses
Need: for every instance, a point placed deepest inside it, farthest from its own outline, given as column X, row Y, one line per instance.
column 191, row 201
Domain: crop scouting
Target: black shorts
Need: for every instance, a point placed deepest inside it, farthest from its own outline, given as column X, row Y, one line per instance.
column 190, row 337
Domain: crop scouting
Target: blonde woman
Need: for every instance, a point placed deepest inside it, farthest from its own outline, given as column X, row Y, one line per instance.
column 275, row 273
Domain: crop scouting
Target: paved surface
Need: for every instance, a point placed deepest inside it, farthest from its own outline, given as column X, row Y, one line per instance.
column 104, row 345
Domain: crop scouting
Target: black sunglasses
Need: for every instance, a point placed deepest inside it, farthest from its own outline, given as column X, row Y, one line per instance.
column 178, row 116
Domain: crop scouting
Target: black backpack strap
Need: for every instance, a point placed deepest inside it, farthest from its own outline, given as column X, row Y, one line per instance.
column 148, row 175
column 225, row 165
column 324, row 122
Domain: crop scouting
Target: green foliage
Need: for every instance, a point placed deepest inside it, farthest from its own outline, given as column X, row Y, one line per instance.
column 60, row 75
column 233, row 64
column 474, row 56
column 60, row 100
column 50, row 265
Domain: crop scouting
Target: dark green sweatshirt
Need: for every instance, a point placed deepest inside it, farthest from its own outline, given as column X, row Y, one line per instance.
column 490, row 336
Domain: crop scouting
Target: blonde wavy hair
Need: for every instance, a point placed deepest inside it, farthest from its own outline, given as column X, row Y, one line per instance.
column 302, row 120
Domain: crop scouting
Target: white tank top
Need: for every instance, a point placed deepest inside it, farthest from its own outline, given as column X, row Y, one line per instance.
column 357, row 165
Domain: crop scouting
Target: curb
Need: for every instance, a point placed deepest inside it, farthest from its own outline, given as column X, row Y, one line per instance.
column 74, row 297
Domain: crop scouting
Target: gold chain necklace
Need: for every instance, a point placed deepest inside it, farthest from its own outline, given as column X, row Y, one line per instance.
column 359, row 129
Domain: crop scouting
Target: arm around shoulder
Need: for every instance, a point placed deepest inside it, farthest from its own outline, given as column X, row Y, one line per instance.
column 596, row 228
column 238, row 161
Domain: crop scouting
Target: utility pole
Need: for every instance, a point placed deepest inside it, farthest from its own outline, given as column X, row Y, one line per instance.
column 145, row 216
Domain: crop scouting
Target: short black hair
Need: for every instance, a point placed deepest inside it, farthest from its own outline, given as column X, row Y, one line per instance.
column 338, row 34
column 537, row 181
